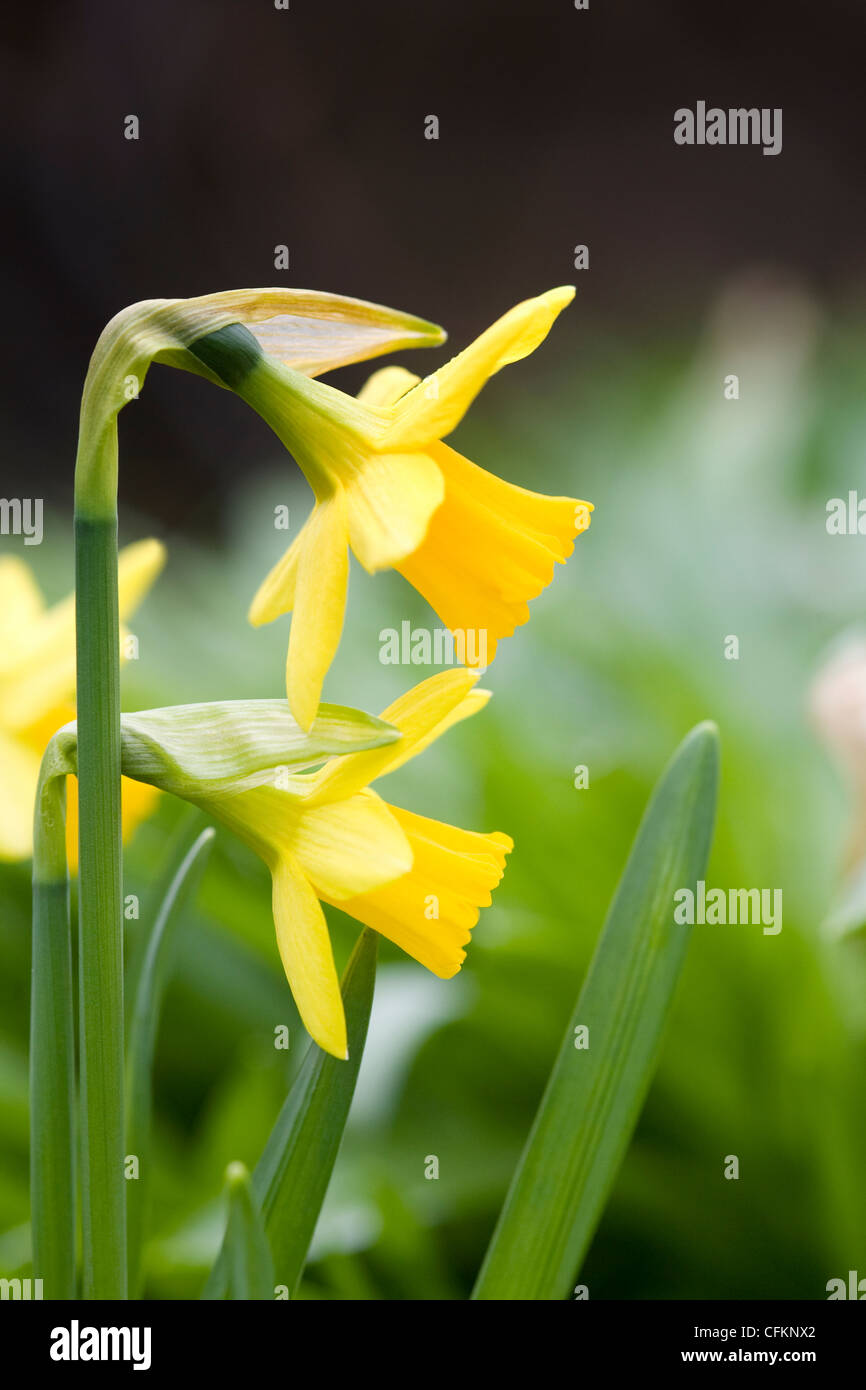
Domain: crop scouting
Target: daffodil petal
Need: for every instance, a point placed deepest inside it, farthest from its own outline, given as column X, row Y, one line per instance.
column 351, row 845
column 421, row 715
column 438, row 403
column 39, row 734
column 19, row 776
column 308, row 960
column 137, row 802
column 386, row 386
column 276, row 593
column 430, row 912
column 341, row 443
column 138, row 566
column 43, row 675
column 320, row 605
column 21, row 607
column 390, row 499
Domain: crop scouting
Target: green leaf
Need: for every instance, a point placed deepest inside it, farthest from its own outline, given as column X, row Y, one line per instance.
column 52, row 1051
column 250, row 1264
column 186, row 872
column 594, row 1094
column 292, row 1175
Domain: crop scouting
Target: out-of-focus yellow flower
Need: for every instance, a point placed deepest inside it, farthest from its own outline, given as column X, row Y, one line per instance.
column 476, row 547
column 327, row 837
column 37, row 687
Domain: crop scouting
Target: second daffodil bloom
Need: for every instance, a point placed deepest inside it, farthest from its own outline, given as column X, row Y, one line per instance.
column 417, row 881
column 325, row 835
column 37, row 687
column 385, row 485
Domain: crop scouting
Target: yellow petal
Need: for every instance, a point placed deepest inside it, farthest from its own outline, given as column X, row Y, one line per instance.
column 421, row 715
column 431, row 911
column 21, row 607
column 490, row 548
column 308, row 960
column 19, row 776
column 39, row 734
column 390, row 499
column 138, row 566
column 436, row 405
column 386, row 386
column 276, row 593
column 137, row 802
column 351, row 845
column 43, row 674
column 320, row 604
column 339, row 442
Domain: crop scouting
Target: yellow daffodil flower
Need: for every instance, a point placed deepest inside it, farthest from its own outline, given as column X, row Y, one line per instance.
column 327, row 837
column 37, row 686
column 476, row 547
column 324, row 834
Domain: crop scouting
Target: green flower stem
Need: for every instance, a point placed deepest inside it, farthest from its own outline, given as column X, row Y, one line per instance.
column 52, row 1052
column 100, row 890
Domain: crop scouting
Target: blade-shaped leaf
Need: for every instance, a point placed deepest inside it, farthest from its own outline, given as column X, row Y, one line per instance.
column 187, row 868
column 250, row 1264
column 595, row 1093
column 292, row 1175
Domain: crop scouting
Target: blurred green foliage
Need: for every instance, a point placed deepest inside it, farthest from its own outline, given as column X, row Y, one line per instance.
column 709, row 521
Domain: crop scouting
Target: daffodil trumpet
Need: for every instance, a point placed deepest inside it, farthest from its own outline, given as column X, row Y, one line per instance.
column 386, row 487
column 324, row 834
column 313, row 333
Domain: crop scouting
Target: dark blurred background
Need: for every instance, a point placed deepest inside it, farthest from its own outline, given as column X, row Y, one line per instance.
column 305, row 127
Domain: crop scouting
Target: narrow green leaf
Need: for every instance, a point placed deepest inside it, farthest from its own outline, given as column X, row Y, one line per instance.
column 250, row 1263
column 292, row 1175
column 52, row 1051
column 594, row 1095
column 191, row 823
column 142, row 1037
